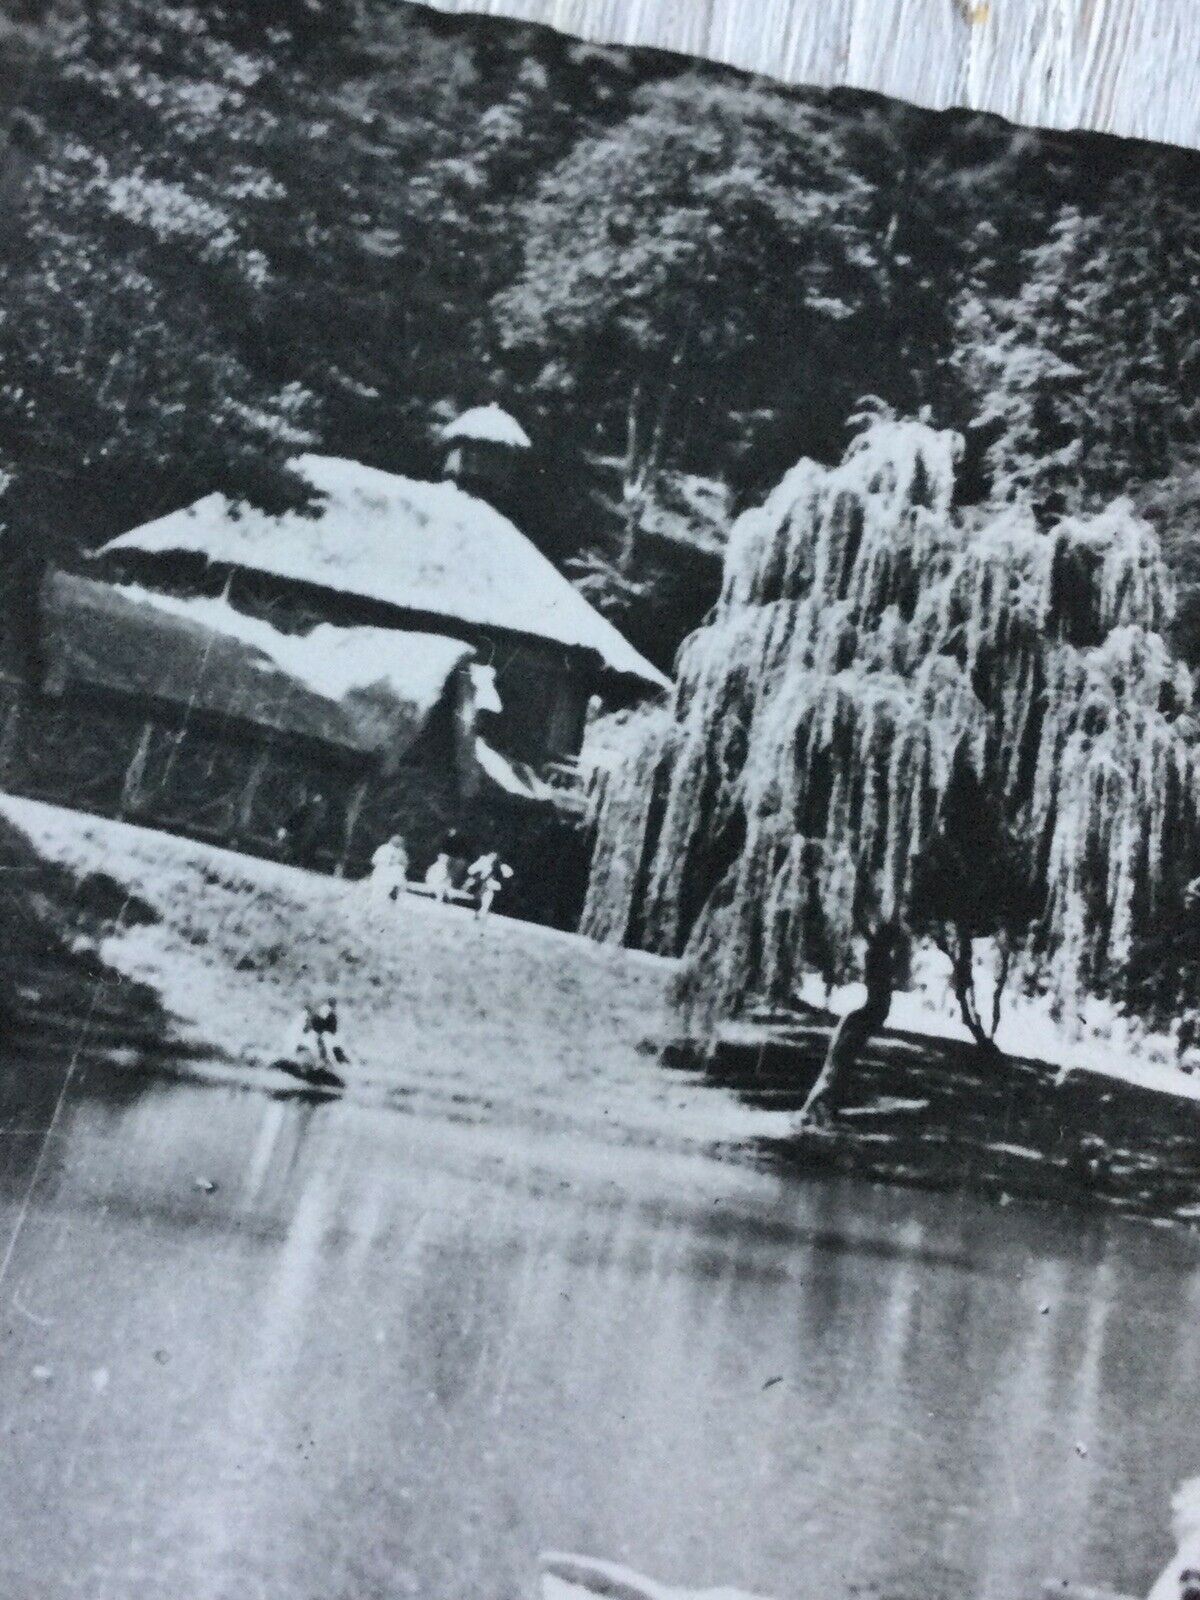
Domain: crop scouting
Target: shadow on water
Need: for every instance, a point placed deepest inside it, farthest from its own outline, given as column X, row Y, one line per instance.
column 37, row 1090
column 72, row 1029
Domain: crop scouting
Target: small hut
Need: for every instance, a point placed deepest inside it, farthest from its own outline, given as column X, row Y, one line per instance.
column 386, row 551
column 397, row 656
column 483, row 448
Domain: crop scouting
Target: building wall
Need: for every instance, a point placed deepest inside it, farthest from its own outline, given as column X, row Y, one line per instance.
column 161, row 766
column 544, row 699
column 227, row 786
column 544, row 687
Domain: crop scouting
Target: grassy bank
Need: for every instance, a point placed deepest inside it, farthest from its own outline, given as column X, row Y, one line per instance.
column 204, row 958
column 937, row 1112
column 441, row 1015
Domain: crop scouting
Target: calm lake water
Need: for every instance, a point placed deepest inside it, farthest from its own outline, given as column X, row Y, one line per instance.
column 394, row 1355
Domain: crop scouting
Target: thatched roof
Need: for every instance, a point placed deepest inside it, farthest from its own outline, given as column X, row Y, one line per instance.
column 427, row 548
column 365, row 690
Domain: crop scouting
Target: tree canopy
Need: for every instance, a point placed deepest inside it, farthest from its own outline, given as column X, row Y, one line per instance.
column 869, row 645
column 718, row 217
column 247, row 227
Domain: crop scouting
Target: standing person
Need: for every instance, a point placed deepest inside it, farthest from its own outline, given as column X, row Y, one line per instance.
column 300, row 835
column 312, row 832
column 437, row 878
column 485, row 879
column 455, row 851
column 389, row 871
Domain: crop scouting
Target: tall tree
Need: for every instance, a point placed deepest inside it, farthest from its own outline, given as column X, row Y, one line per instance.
column 688, row 271
column 1086, row 381
column 973, row 881
column 869, row 645
column 126, row 275
column 270, row 224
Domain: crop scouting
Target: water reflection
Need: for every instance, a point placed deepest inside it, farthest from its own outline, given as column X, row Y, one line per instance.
column 393, row 1356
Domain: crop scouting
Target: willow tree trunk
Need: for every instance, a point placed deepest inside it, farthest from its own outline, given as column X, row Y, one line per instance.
column 959, row 949
column 852, row 1033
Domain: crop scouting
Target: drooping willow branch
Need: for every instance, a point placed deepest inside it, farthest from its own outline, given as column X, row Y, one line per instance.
column 869, row 642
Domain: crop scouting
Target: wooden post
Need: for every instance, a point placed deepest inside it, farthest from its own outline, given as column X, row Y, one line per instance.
column 244, row 811
column 354, row 807
column 132, row 797
column 464, row 729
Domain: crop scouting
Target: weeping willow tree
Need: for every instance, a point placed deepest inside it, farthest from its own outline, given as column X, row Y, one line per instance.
column 870, row 643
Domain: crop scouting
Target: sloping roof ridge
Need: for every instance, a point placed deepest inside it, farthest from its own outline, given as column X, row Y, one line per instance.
column 429, row 548
column 339, row 474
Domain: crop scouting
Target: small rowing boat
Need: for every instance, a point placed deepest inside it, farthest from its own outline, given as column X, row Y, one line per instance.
column 569, row 1577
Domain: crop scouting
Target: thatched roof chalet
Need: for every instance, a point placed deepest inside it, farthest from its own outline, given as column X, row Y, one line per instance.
column 430, row 552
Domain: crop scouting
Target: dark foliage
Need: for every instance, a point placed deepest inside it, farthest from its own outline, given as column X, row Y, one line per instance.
column 55, row 990
column 973, row 882
column 1162, row 982
column 249, row 226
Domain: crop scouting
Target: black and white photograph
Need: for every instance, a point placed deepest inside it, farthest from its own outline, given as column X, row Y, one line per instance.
column 599, row 819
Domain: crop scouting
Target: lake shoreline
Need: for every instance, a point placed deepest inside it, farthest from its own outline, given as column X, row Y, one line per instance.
column 938, row 1113
column 156, row 953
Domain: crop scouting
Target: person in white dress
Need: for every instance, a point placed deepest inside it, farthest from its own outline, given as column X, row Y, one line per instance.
column 389, row 871
column 438, row 878
column 485, row 879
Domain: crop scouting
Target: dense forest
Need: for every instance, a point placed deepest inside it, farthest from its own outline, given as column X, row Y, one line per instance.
column 244, row 229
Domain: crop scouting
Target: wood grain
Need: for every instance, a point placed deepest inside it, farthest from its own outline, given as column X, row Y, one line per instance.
column 1116, row 66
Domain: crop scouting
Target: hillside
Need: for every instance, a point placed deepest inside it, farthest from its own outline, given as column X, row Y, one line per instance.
column 679, row 279
column 441, row 1016
column 147, row 952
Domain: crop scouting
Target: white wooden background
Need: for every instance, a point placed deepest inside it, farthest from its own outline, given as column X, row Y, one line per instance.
column 1120, row 66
